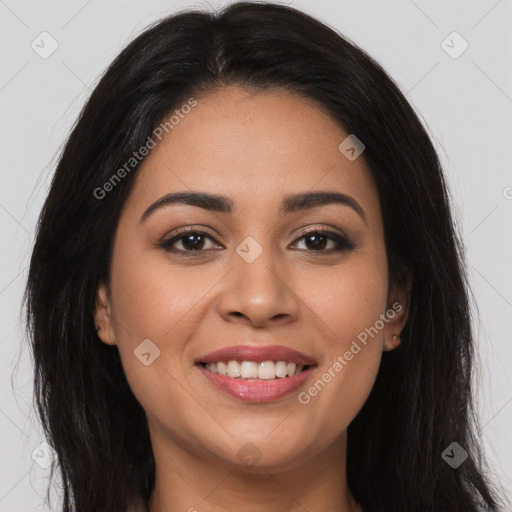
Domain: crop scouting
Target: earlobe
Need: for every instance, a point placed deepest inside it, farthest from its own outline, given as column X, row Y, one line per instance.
column 103, row 316
column 394, row 343
column 399, row 302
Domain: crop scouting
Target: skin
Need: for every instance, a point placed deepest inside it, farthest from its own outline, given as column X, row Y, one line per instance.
column 314, row 302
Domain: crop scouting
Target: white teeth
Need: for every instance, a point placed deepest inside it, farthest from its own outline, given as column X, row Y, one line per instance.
column 281, row 369
column 265, row 370
column 233, row 369
column 249, row 370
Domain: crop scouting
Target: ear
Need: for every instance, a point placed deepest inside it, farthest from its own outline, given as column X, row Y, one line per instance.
column 398, row 306
column 103, row 315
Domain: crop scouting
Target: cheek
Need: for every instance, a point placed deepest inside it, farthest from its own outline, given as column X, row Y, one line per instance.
column 347, row 375
column 151, row 296
column 349, row 305
column 349, row 299
column 157, row 302
column 169, row 405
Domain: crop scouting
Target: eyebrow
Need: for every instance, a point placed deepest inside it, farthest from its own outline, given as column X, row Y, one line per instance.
column 222, row 204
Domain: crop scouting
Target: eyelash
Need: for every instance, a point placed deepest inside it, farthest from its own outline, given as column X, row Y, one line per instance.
column 343, row 244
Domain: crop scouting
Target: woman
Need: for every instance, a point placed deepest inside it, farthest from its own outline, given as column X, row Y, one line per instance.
column 247, row 291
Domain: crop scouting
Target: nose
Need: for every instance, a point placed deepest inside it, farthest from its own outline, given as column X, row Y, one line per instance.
column 260, row 293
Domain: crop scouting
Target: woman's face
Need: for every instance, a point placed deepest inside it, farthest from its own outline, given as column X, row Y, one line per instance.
column 256, row 276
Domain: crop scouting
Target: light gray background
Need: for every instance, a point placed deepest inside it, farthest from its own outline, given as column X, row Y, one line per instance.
column 466, row 102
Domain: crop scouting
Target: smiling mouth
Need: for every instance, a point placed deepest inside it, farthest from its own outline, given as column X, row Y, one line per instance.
column 252, row 370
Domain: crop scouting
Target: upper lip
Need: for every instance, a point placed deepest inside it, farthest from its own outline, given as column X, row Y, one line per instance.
column 257, row 354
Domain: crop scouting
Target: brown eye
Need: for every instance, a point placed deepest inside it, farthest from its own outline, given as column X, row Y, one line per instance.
column 318, row 239
column 191, row 241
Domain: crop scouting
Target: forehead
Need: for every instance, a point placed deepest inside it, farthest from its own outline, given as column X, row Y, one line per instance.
column 254, row 147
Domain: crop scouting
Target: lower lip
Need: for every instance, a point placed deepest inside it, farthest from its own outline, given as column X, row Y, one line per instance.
column 256, row 390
